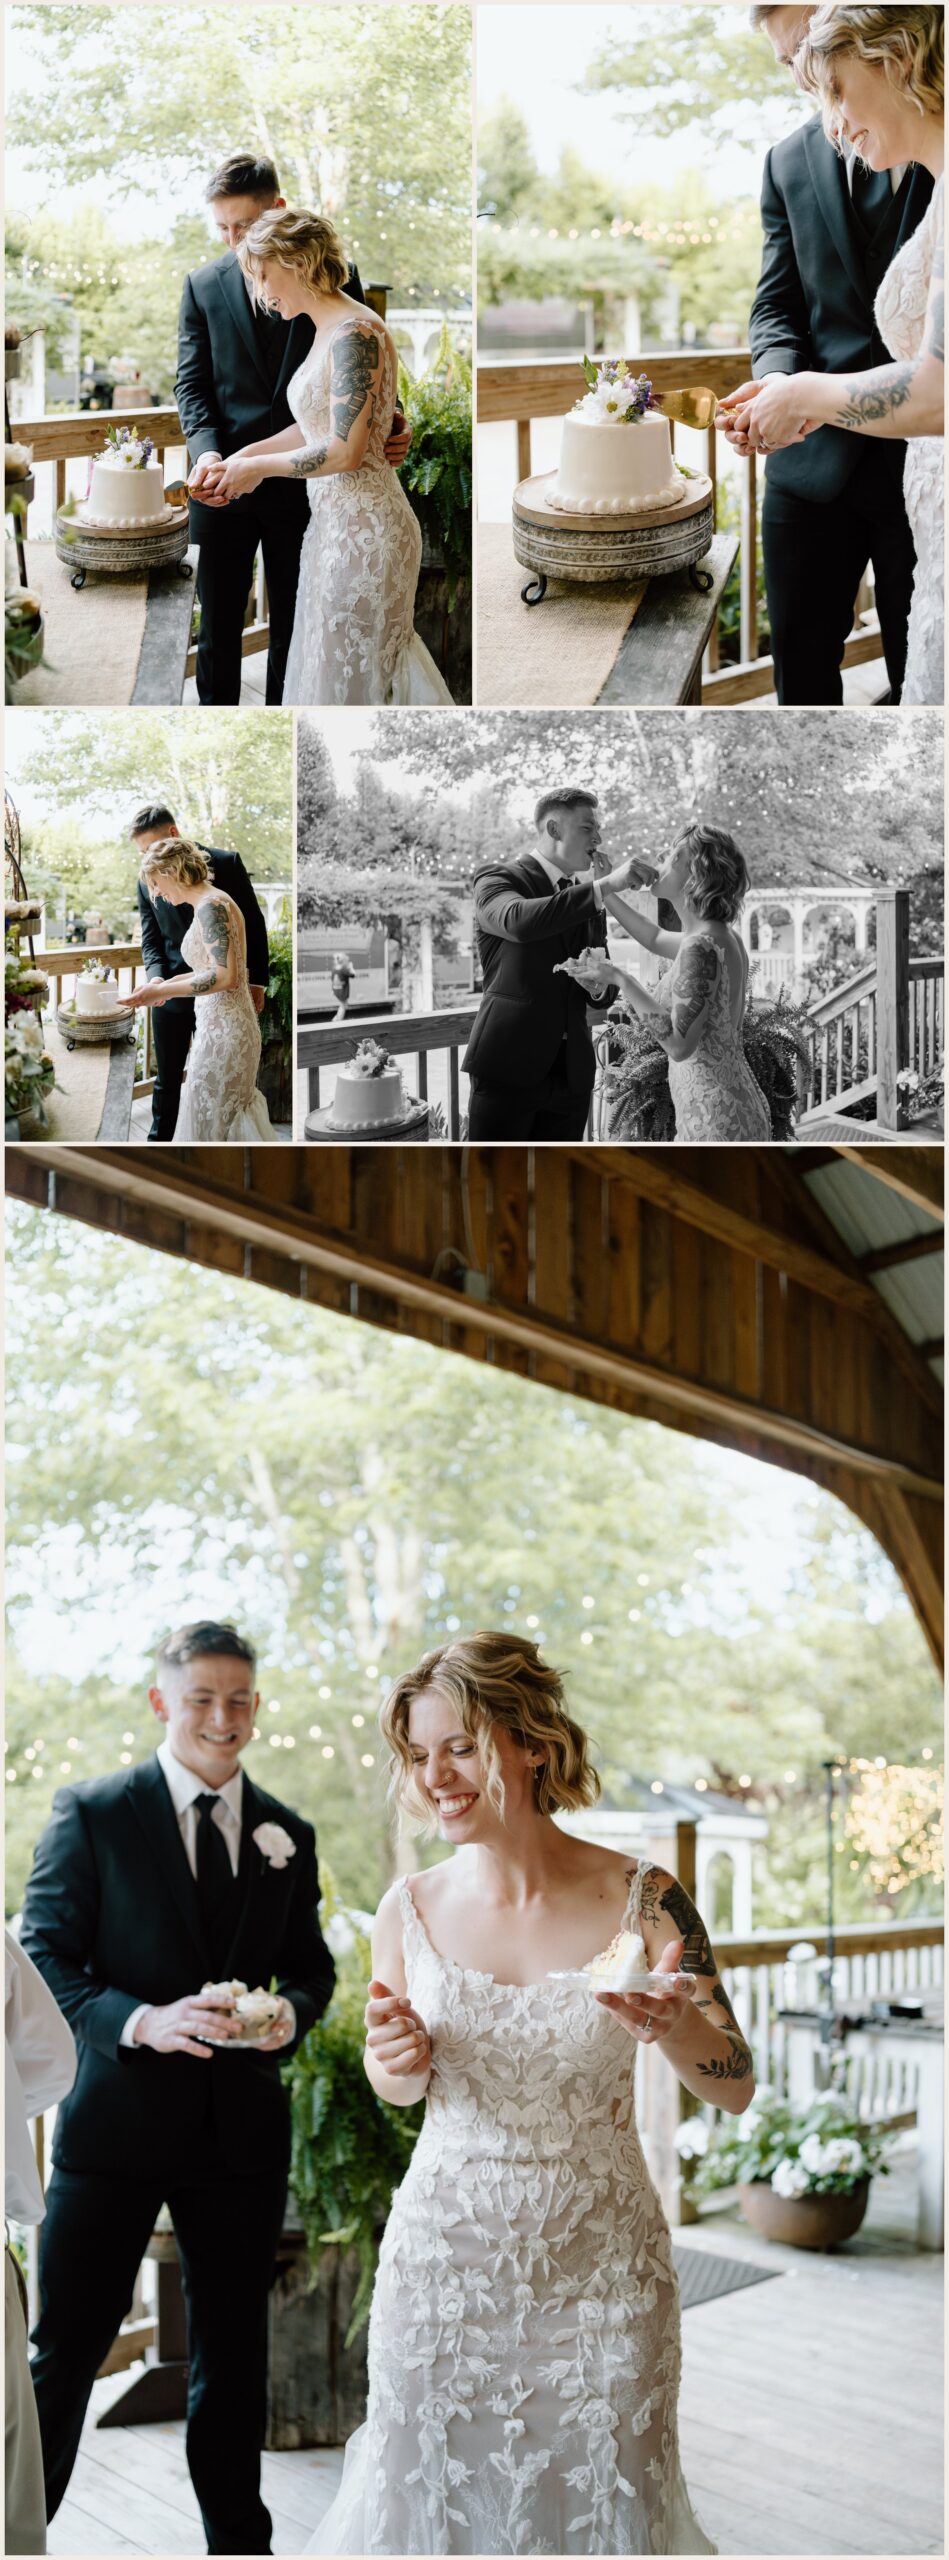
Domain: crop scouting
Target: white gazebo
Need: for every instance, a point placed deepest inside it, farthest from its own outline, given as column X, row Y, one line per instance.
column 725, row 1837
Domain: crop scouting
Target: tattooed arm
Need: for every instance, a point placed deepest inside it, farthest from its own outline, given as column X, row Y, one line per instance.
column 678, row 1014
column 220, row 933
column 707, row 2050
column 905, row 399
column 355, row 378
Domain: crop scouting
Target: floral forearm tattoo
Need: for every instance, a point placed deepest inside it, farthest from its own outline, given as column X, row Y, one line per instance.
column 217, row 932
column 661, row 1893
column 305, row 465
column 356, row 357
column 875, row 396
column 202, row 980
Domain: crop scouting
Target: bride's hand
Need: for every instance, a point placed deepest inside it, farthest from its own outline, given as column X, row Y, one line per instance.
column 395, row 2033
column 650, row 2015
column 591, row 970
column 769, row 413
column 237, row 478
column 634, row 873
column 153, row 991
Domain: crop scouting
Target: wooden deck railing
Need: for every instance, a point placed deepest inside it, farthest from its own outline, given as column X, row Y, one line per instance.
column 875, row 1961
column 887, row 1021
column 80, row 432
column 518, row 393
column 417, row 1036
column 63, row 968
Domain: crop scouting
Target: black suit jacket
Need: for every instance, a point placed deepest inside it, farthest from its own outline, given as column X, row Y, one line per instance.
column 164, row 926
column 224, row 392
column 523, row 927
column 111, row 1917
column 813, row 308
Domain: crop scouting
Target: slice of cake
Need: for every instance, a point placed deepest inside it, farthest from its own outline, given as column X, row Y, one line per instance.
column 616, row 447
column 621, row 1964
column 257, row 2009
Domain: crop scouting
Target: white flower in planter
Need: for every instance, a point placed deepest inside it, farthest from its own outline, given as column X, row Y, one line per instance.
column 274, row 1843
column 812, row 2156
column 691, row 2139
column 843, row 2158
column 790, row 2179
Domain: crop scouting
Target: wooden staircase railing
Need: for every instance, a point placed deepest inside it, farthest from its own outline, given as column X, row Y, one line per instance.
column 886, row 1022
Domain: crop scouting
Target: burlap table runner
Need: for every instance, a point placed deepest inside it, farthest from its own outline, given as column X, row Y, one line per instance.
column 81, row 1075
column 555, row 655
column 93, row 639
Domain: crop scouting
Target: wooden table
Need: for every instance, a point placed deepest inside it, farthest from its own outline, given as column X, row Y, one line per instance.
column 660, row 656
column 169, row 611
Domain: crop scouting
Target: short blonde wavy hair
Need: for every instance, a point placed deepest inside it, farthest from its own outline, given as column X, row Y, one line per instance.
column 718, row 882
column 493, row 1680
column 304, row 242
column 176, row 858
column 906, row 44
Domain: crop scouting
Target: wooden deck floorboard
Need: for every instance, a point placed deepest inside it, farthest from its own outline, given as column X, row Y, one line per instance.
column 811, row 2415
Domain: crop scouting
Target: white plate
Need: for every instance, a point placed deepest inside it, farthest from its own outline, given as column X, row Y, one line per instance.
column 231, row 2044
column 650, row 1982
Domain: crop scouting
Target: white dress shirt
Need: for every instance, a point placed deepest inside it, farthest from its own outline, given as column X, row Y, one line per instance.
column 562, row 879
column 184, row 1787
column 40, row 2068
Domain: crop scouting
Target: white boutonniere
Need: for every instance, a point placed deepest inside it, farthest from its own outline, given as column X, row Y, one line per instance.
column 274, row 1843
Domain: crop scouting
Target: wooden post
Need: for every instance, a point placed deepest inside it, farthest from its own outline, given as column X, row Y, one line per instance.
column 711, row 660
column 522, row 432
column 749, row 564
column 892, row 913
column 665, row 2104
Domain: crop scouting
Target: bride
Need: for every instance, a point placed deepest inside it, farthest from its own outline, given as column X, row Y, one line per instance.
column 698, row 1011
column 879, row 72
column 220, row 1098
column 524, row 2339
column 353, row 634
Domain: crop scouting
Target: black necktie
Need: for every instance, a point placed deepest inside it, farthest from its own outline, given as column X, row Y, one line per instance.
column 215, row 1881
column 871, row 195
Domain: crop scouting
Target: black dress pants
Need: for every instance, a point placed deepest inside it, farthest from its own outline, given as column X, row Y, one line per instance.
column 273, row 519
column 546, row 1111
column 172, row 1031
column 92, row 2243
column 814, row 559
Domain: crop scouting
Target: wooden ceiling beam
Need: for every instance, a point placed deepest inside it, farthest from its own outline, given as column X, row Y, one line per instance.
column 916, row 1172
column 786, row 1174
column 299, row 1239
column 888, row 1257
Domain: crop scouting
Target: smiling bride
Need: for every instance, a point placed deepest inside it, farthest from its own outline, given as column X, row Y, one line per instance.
column 524, row 2338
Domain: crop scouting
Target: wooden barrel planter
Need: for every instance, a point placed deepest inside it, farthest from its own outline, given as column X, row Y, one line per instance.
column 445, row 631
column 317, row 2385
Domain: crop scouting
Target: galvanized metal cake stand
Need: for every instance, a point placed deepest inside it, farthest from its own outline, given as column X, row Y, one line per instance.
column 83, row 545
column 94, row 1030
column 587, row 550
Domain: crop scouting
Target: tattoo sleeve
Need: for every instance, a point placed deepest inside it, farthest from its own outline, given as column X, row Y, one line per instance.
column 355, row 367
column 202, row 980
column 305, row 465
column 875, row 396
column 695, row 977
column 661, row 1893
column 217, row 932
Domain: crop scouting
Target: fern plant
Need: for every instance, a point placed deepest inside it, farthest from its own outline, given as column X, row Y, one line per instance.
column 436, row 474
column 349, row 2150
column 637, row 1082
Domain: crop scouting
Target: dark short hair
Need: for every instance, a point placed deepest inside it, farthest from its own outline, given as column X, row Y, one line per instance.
column 154, row 814
column 570, row 798
column 205, row 1635
column 718, row 873
column 243, row 173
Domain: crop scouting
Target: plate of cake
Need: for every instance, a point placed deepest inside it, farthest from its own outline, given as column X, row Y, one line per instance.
column 257, row 2011
column 624, row 1966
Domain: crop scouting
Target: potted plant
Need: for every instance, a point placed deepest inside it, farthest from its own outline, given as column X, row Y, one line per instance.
column 275, row 1076
column 436, row 477
column 802, row 2172
column 349, row 2151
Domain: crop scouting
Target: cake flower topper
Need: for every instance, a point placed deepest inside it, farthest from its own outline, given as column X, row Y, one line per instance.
column 129, row 447
column 371, row 1058
column 274, row 1843
column 614, row 391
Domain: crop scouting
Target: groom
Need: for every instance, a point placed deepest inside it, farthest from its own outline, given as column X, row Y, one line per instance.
column 145, row 1885
column 530, row 1056
column 234, row 364
column 163, row 930
column 833, row 502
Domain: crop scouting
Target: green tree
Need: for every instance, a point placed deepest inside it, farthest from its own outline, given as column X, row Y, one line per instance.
column 354, row 1497
column 508, row 176
column 699, row 71
column 229, row 781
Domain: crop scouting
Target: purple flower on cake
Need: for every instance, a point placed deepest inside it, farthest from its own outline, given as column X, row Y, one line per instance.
column 128, row 447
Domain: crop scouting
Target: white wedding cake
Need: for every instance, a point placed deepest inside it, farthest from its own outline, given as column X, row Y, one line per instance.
column 616, row 448
column 97, row 994
column 621, row 1963
column 127, row 489
column 369, row 1092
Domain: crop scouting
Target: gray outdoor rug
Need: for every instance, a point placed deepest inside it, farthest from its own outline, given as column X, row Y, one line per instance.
column 703, row 2275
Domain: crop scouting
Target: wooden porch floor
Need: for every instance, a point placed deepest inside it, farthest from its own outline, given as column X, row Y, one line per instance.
column 811, row 2414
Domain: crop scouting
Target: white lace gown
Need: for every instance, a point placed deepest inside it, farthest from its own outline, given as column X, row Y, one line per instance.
column 714, row 1094
column 901, row 317
column 524, row 2346
column 220, row 1099
column 353, row 636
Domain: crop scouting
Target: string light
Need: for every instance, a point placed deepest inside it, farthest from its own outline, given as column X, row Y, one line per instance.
column 634, row 1616
column 328, row 1752
column 587, row 1601
column 324, row 1693
column 656, row 1787
column 274, row 1740
column 315, row 1732
column 359, row 1721
column 701, row 1786
column 586, row 1637
column 368, row 1760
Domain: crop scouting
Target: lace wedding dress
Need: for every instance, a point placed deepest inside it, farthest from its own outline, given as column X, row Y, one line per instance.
column 353, row 636
column 901, row 318
column 714, row 1093
column 524, row 2338
column 220, row 1098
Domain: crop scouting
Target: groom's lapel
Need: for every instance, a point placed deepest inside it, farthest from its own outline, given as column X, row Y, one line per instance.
column 230, row 278
column 151, row 1803
column 829, row 178
column 251, row 1872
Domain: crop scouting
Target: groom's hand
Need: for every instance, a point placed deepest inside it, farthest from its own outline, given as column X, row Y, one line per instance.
column 202, row 482
column 259, row 995
column 174, row 2029
column 399, row 440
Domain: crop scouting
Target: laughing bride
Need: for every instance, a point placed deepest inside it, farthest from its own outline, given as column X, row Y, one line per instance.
column 524, row 2337
column 353, row 634
column 220, row 1099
